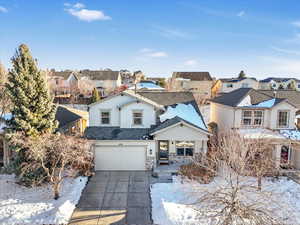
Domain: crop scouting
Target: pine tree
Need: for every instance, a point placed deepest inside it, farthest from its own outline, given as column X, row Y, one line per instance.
column 33, row 109
column 242, row 74
column 95, row 96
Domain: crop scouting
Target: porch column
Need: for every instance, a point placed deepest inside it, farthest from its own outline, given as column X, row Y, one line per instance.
column 277, row 155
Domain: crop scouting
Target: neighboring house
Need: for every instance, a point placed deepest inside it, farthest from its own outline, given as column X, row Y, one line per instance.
column 71, row 121
column 257, row 115
column 199, row 83
column 105, row 81
column 138, row 131
column 276, row 83
column 84, row 81
column 226, row 85
column 146, row 85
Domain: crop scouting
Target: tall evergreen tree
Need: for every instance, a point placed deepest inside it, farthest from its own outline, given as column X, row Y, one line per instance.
column 95, row 96
column 242, row 74
column 33, row 111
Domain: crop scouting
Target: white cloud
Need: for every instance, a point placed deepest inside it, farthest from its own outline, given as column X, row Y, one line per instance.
column 173, row 33
column 286, row 51
column 79, row 5
column 241, row 14
column 191, row 62
column 144, row 50
column 152, row 53
column 78, row 10
column 296, row 23
column 3, row 9
column 158, row 54
column 66, row 4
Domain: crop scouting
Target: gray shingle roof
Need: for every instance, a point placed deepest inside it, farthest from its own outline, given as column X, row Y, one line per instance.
column 292, row 96
column 65, row 117
column 116, row 133
column 168, row 98
column 63, row 74
column 235, row 97
column 195, row 76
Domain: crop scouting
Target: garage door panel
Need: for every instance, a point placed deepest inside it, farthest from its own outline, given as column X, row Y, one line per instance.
column 120, row 158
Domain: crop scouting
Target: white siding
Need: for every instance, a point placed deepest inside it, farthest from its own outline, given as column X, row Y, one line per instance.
column 224, row 116
column 112, row 105
column 274, row 114
column 236, row 85
column 183, row 133
column 148, row 115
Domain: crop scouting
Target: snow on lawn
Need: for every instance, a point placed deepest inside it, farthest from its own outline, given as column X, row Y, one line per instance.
column 172, row 203
column 21, row 205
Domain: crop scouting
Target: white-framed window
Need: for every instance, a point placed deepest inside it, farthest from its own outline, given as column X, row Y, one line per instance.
column 185, row 148
column 252, row 117
column 105, row 117
column 229, row 85
column 137, row 117
column 283, row 118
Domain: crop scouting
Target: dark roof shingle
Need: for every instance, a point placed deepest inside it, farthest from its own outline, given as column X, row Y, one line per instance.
column 235, row 97
column 65, row 117
column 194, row 76
column 116, row 133
column 168, row 98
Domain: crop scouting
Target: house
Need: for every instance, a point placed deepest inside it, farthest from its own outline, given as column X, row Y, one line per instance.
column 71, row 121
column 84, row 81
column 226, row 85
column 105, row 81
column 199, row 83
column 257, row 115
column 279, row 83
column 139, row 131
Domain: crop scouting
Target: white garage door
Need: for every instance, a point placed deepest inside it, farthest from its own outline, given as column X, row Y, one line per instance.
column 120, row 157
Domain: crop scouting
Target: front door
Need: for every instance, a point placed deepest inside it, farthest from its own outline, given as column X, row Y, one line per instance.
column 163, row 151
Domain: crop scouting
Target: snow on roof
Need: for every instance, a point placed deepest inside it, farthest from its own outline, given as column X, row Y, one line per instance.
column 291, row 134
column 185, row 112
column 6, row 116
column 147, row 85
column 265, row 104
column 260, row 133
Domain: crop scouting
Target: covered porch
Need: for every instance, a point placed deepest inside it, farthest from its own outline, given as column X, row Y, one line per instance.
column 286, row 147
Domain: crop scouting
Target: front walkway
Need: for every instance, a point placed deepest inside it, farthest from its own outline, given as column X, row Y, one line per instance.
column 115, row 197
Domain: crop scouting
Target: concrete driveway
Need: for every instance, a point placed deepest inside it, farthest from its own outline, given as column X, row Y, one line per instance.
column 115, row 197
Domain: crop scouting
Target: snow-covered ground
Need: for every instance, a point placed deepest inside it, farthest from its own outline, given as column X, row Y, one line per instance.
column 21, row 205
column 173, row 203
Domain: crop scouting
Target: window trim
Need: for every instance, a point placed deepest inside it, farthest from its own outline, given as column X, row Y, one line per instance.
column 109, row 116
column 184, row 149
column 252, row 118
column 142, row 117
column 287, row 119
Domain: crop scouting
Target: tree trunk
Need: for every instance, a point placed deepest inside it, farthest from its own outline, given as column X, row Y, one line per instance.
column 259, row 183
column 56, row 190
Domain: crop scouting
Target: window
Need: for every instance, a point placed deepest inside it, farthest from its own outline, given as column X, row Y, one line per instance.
column 283, row 119
column 185, row 148
column 258, row 118
column 137, row 117
column 229, row 85
column 299, row 86
column 285, row 154
column 252, row 118
column 105, row 117
column 245, row 85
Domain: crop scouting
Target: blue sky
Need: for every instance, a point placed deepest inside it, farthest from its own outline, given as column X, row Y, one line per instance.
column 158, row 37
